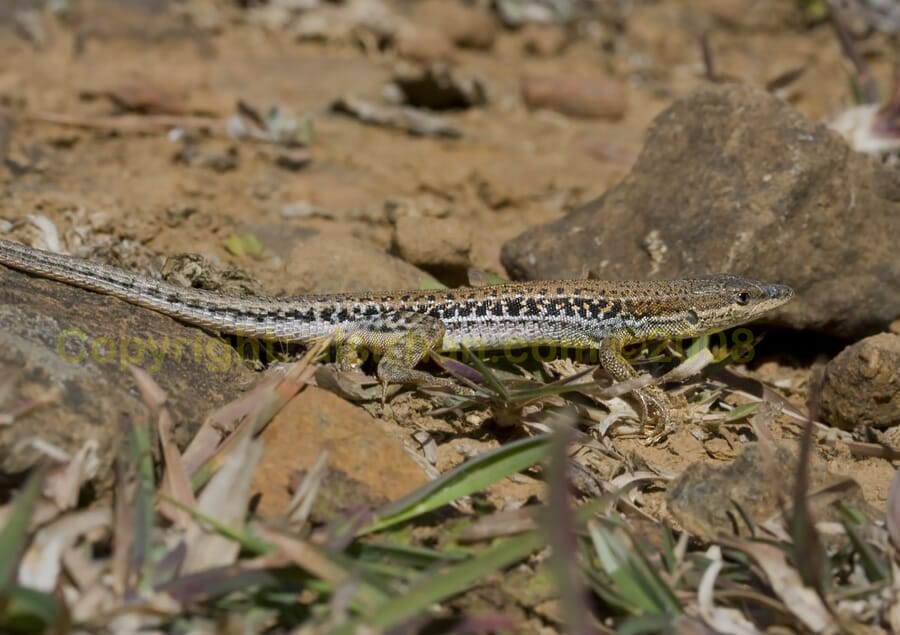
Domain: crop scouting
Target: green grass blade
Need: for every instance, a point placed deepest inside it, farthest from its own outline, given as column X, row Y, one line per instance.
column 427, row 283
column 743, row 411
column 406, row 556
column 14, row 535
column 877, row 569
column 463, row 480
column 245, row 538
column 141, row 455
column 486, row 372
column 635, row 581
column 651, row 625
column 28, row 611
column 444, row 585
column 367, row 592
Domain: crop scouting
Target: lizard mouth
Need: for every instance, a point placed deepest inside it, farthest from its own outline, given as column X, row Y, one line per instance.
column 779, row 292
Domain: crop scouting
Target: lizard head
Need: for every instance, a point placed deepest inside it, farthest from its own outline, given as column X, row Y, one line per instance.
column 723, row 301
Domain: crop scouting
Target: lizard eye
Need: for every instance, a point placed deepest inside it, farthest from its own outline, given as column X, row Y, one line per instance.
column 743, row 298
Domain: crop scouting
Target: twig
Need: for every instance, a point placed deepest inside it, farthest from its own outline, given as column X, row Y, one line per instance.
column 865, row 82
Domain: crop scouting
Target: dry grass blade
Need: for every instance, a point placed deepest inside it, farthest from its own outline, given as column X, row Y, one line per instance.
column 690, row 367
column 175, row 482
column 134, row 496
column 246, row 416
column 721, row 620
column 313, row 560
column 803, row 602
column 225, row 498
column 130, row 123
column 210, row 583
column 303, row 498
column 42, row 563
column 810, row 555
column 64, row 481
column 151, row 392
column 559, row 523
column 756, row 389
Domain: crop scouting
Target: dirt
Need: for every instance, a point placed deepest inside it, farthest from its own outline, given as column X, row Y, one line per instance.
column 512, row 169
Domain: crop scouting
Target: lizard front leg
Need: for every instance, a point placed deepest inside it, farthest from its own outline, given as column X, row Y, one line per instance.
column 655, row 403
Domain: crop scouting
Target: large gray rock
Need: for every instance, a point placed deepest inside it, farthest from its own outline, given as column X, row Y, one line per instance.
column 732, row 179
column 57, row 337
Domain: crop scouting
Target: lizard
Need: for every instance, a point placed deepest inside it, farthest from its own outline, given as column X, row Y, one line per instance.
column 404, row 327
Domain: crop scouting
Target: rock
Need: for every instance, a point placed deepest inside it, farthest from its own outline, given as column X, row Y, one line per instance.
column 425, row 46
column 439, row 245
column 731, row 179
column 466, row 26
column 518, row 13
column 438, row 88
column 330, row 262
column 577, row 96
column 702, row 499
column 198, row 272
column 367, row 465
column 543, row 40
column 883, row 15
column 861, row 386
column 364, row 22
column 55, row 335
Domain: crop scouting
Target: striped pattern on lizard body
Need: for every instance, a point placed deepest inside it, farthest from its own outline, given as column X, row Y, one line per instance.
column 404, row 326
column 579, row 313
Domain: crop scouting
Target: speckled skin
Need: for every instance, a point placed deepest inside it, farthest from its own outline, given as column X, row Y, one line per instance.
column 403, row 326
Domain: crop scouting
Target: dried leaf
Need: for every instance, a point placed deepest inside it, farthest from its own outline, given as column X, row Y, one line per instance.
column 225, row 498
column 248, row 414
column 804, row 603
column 721, row 620
column 64, row 481
column 175, row 482
column 151, row 393
column 42, row 563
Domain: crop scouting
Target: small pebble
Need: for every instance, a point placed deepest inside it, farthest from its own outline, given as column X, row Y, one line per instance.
column 576, row 96
column 543, row 40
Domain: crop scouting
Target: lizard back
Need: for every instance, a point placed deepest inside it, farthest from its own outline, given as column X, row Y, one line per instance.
column 578, row 313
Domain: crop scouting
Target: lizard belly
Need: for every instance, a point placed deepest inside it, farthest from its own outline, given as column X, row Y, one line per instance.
column 511, row 334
